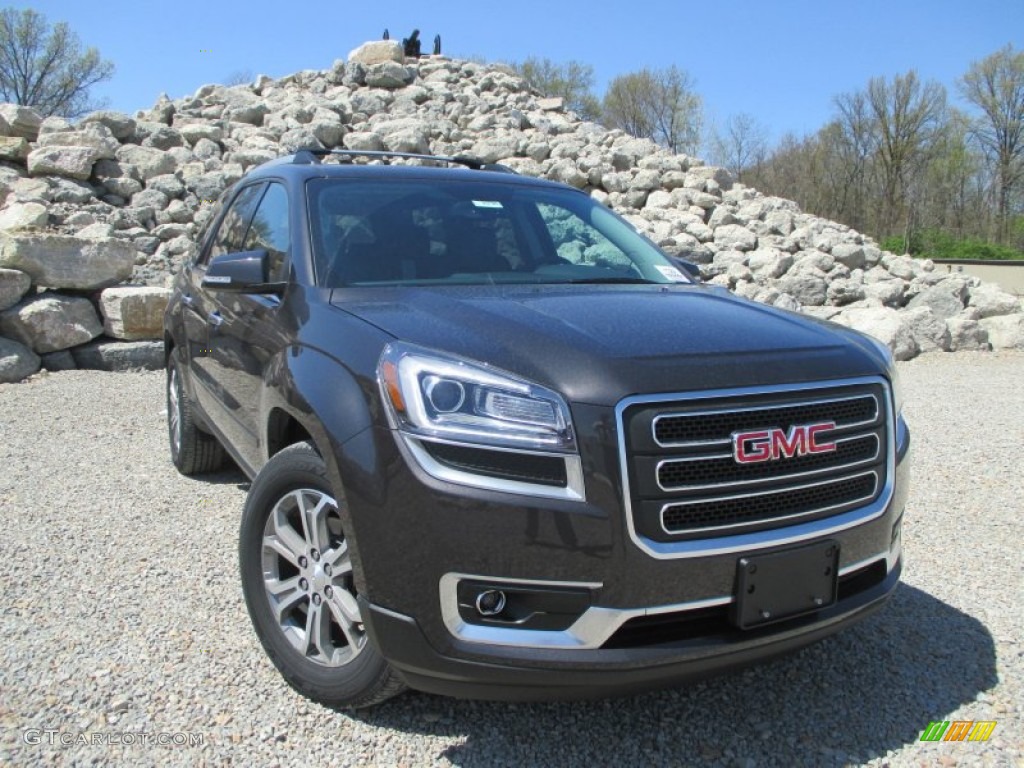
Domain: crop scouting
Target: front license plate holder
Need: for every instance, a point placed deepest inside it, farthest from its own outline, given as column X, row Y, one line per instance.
column 780, row 585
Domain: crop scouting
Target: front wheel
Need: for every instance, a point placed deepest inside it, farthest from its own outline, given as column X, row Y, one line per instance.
column 296, row 572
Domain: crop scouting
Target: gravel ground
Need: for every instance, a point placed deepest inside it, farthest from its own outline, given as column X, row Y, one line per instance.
column 122, row 613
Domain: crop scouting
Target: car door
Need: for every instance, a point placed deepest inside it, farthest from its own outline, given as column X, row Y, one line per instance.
column 204, row 318
column 249, row 332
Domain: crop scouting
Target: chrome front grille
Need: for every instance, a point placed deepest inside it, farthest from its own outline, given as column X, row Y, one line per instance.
column 685, row 484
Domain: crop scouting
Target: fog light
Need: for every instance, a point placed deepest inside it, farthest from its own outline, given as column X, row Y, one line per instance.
column 490, row 602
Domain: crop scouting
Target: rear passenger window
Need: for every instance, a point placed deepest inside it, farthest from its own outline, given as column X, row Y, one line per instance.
column 269, row 231
column 230, row 236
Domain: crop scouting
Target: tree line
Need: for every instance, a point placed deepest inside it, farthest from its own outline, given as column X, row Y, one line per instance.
column 895, row 160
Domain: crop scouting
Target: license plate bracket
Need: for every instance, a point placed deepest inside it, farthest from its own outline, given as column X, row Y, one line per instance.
column 780, row 585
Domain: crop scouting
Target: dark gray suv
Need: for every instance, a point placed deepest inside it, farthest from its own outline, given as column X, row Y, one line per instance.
column 503, row 447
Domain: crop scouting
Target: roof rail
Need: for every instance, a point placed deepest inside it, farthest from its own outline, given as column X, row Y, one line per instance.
column 313, row 155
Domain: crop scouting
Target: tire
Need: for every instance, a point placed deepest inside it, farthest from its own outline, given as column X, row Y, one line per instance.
column 297, row 579
column 193, row 451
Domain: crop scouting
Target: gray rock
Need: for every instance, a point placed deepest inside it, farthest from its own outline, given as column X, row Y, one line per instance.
column 120, row 355
column 59, row 361
column 849, row 255
column 966, row 334
column 98, row 139
column 193, row 132
column 736, row 237
column 61, row 261
column 809, row 290
column 14, row 149
column 1004, row 331
column 844, row 291
column 21, row 121
column 990, row 301
column 17, row 361
column 930, row 332
column 134, row 312
column 23, row 216
column 885, row 324
column 72, row 162
column 889, row 292
column 769, row 263
column 121, row 126
column 377, row 52
column 48, row 322
column 13, row 285
column 147, row 161
column 388, row 74
column 942, row 299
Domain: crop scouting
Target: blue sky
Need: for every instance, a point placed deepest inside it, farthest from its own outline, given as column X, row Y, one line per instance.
column 780, row 60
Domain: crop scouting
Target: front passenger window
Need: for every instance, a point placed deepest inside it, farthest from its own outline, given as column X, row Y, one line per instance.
column 229, row 237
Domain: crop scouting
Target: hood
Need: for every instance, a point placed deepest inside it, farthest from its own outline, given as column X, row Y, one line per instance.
column 598, row 344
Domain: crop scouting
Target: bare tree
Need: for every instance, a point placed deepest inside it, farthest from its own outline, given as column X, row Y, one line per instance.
column 996, row 86
column 908, row 116
column 573, row 81
column 741, row 144
column 239, row 77
column 45, row 67
column 656, row 104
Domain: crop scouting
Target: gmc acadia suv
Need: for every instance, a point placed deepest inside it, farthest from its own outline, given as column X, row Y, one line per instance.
column 503, row 447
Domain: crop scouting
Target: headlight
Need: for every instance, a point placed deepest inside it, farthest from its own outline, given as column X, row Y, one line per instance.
column 433, row 395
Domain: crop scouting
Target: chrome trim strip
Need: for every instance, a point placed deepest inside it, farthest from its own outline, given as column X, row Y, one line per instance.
column 573, row 491
column 591, row 630
column 761, row 480
column 760, row 521
column 716, row 412
column 757, row 539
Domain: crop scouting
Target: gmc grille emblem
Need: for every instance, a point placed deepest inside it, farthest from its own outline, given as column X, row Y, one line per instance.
column 773, row 444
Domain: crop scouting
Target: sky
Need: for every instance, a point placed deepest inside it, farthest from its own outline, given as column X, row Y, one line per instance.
column 782, row 61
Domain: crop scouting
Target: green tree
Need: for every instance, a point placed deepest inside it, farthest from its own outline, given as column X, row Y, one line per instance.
column 45, row 67
column 573, row 81
column 656, row 104
column 996, row 86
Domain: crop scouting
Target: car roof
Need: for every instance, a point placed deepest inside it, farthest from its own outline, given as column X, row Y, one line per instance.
column 305, row 165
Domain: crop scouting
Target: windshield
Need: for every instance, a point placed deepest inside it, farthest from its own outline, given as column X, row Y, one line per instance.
column 420, row 231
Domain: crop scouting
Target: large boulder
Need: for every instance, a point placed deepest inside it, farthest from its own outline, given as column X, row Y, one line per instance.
column 21, row 121
column 49, row 322
column 14, row 149
column 1005, row 331
column 943, row 299
column 24, row 216
column 885, row 324
column 121, row 126
column 147, row 161
column 13, row 285
column 990, row 301
column 120, row 355
column 378, row 52
column 63, row 261
column 72, row 162
column 16, row 361
column 965, row 333
column 134, row 312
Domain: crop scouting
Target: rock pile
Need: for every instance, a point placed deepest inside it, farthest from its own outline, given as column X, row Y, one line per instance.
column 116, row 200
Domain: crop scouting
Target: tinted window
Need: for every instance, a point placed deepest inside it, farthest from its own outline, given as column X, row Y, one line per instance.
column 230, row 237
column 269, row 231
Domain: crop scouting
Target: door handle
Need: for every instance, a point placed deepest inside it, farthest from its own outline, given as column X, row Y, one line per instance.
column 215, row 319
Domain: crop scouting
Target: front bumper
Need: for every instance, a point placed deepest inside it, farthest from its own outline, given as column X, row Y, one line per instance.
column 519, row 674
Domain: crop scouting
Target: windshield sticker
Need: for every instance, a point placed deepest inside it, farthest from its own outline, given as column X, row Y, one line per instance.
column 488, row 204
column 671, row 273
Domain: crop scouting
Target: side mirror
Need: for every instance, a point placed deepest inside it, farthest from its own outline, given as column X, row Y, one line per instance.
column 244, row 271
column 691, row 269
